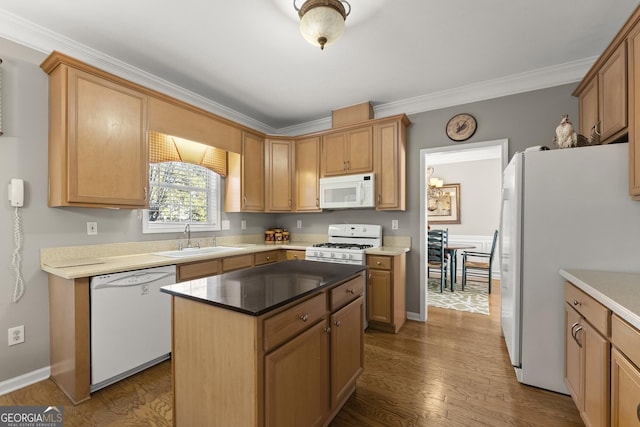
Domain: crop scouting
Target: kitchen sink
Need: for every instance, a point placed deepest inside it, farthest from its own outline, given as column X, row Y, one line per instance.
column 189, row 252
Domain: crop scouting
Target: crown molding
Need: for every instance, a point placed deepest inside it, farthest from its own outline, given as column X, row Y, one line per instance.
column 38, row 38
column 26, row 33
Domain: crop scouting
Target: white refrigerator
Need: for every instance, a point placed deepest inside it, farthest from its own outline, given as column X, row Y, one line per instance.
column 560, row 209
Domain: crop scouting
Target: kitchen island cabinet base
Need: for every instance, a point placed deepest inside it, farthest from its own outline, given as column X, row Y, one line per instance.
column 228, row 370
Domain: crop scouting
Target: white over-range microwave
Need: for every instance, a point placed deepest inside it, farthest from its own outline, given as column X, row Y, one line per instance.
column 348, row 191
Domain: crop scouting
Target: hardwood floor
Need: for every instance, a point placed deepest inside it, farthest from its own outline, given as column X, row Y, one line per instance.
column 452, row 371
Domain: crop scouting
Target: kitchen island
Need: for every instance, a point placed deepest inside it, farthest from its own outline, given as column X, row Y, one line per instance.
column 277, row 345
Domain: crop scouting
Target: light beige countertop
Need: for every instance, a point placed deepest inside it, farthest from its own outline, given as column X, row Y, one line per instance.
column 619, row 292
column 85, row 261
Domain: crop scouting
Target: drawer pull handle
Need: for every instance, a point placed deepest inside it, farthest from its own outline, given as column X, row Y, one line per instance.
column 576, row 302
column 378, row 263
column 337, row 323
column 268, row 258
column 304, row 317
column 575, row 336
column 351, row 291
column 638, row 411
column 327, row 330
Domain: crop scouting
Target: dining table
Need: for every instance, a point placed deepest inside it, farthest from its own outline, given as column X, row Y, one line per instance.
column 452, row 249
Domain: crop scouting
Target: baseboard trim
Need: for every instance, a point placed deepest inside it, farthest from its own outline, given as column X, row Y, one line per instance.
column 414, row 316
column 24, row 380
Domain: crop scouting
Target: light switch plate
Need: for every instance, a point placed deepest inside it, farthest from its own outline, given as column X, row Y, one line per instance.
column 226, row 224
column 243, row 224
column 394, row 224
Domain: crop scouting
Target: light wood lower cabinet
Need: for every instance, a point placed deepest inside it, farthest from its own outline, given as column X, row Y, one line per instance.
column 386, row 309
column 297, row 380
column 295, row 366
column 625, row 374
column 587, row 356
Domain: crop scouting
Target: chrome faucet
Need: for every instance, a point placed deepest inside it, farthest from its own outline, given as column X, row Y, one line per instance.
column 187, row 232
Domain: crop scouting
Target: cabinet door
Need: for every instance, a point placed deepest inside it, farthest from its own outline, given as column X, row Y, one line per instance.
column 588, row 107
column 360, row 150
column 390, row 161
column 107, row 145
column 625, row 392
column 334, row 160
column 379, row 296
column 307, row 164
column 597, row 352
column 573, row 361
column 279, row 174
column 347, row 352
column 252, row 180
column 612, row 88
column 634, row 113
column 297, row 380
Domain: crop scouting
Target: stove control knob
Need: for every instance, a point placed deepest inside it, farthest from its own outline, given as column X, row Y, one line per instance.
column 350, row 256
column 344, row 256
column 333, row 255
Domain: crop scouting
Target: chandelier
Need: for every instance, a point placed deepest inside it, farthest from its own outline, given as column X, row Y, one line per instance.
column 322, row 21
column 434, row 190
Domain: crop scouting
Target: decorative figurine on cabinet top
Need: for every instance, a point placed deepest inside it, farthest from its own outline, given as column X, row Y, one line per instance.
column 567, row 137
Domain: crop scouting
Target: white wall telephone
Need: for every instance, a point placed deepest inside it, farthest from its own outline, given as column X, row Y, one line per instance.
column 16, row 197
column 16, row 192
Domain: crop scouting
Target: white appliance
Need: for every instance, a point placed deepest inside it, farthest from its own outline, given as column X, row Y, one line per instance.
column 560, row 209
column 348, row 191
column 130, row 323
column 346, row 244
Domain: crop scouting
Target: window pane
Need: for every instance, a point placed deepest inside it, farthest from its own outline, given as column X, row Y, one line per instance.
column 182, row 193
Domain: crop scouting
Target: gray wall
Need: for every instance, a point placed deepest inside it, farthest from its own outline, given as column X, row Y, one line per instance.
column 526, row 119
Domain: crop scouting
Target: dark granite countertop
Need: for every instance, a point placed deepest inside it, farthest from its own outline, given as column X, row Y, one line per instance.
column 255, row 291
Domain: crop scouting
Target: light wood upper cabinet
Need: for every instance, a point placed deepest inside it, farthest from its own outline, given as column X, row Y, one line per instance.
column 307, row 183
column 347, row 152
column 244, row 184
column 588, row 108
column 390, row 147
column 633, row 45
column 612, row 95
column 279, row 172
column 97, row 138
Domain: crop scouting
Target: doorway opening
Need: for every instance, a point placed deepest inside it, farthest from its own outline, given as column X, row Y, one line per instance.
column 477, row 169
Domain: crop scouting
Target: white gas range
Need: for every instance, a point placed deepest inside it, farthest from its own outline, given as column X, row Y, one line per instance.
column 346, row 244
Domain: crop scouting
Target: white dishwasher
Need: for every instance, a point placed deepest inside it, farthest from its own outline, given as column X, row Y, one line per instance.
column 130, row 323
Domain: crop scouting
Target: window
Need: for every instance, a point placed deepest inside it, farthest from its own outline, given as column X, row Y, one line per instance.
column 182, row 193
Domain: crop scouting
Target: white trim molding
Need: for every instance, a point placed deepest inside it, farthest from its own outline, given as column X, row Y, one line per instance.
column 19, row 30
column 24, row 380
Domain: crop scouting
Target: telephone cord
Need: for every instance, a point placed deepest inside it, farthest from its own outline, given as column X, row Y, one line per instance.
column 16, row 259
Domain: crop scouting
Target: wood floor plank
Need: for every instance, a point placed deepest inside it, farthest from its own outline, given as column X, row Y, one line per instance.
column 452, row 371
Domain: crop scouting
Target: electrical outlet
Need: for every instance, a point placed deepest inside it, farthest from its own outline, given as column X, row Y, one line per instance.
column 243, row 224
column 226, row 224
column 394, row 224
column 299, row 224
column 92, row 228
column 16, row 335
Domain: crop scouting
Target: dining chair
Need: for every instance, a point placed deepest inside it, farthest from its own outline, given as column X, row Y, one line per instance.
column 436, row 257
column 479, row 264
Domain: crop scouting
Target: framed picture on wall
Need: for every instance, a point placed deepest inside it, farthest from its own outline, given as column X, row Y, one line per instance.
column 443, row 204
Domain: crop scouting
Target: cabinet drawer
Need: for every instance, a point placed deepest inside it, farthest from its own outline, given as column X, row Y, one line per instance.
column 379, row 262
column 237, row 262
column 197, row 269
column 266, row 257
column 347, row 292
column 291, row 254
column 626, row 338
column 286, row 324
column 595, row 313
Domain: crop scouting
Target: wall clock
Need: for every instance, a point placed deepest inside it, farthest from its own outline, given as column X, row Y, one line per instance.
column 461, row 127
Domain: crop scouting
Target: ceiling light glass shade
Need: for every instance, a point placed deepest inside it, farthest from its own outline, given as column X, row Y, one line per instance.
column 322, row 21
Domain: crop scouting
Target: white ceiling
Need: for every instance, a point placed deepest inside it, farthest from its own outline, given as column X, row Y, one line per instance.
column 248, row 57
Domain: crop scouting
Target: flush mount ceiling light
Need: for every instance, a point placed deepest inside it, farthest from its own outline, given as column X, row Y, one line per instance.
column 322, row 21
